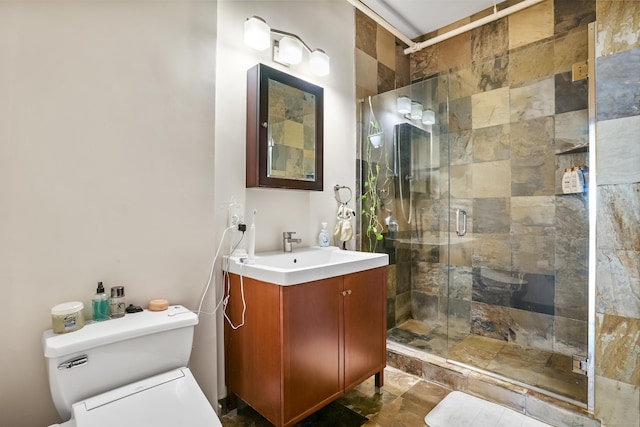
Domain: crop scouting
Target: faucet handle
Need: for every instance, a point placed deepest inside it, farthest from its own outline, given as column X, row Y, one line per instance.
column 288, row 234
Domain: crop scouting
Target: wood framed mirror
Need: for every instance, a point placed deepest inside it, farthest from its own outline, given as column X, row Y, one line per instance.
column 284, row 131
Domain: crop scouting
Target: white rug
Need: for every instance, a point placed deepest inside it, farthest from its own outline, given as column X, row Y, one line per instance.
column 459, row 409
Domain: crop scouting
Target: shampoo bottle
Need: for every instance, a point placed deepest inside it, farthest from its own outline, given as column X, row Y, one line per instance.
column 100, row 303
column 566, row 181
column 324, row 238
column 579, row 179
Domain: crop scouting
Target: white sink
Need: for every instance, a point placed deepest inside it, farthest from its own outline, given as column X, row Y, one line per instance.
column 305, row 264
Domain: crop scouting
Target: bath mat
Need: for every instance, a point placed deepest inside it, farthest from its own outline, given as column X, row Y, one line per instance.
column 462, row 410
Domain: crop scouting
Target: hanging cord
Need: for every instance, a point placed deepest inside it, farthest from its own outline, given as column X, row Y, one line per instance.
column 213, row 263
column 225, row 300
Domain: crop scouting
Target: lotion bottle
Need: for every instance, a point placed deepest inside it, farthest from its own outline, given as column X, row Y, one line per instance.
column 116, row 302
column 100, row 304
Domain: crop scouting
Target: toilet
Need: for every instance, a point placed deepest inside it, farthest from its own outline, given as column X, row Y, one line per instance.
column 129, row 372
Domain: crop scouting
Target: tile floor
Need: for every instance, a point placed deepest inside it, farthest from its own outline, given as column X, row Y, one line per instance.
column 404, row 401
column 543, row 369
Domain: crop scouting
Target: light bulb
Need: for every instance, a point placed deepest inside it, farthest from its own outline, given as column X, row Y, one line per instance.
column 290, row 50
column 416, row 111
column 319, row 62
column 403, row 105
column 257, row 33
column 428, row 117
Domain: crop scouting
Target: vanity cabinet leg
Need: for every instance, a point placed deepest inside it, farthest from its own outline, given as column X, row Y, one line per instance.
column 379, row 381
column 232, row 401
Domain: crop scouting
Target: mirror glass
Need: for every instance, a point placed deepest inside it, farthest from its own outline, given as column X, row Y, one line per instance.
column 284, row 131
column 291, row 133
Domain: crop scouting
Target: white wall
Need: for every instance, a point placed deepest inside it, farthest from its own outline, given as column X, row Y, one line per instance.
column 109, row 111
column 325, row 24
column 106, row 167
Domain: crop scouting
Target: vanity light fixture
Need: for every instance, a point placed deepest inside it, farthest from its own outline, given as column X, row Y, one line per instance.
column 288, row 50
column 413, row 110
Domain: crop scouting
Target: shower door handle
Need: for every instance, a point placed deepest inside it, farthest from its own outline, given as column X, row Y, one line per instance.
column 461, row 213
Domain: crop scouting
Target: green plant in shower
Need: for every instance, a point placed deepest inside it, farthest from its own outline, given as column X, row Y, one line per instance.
column 373, row 183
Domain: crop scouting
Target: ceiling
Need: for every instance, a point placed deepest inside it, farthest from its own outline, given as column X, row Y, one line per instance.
column 414, row 18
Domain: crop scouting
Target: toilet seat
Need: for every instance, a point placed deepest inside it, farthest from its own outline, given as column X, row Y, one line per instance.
column 170, row 399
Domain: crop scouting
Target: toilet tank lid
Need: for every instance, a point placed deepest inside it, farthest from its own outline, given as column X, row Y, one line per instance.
column 130, row 326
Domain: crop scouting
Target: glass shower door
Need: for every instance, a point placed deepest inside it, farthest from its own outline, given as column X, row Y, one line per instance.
column 489, row 259
column 517, row 245
column 405, row 183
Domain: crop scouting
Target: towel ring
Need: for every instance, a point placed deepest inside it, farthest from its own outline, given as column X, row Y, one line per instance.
column 337, row 188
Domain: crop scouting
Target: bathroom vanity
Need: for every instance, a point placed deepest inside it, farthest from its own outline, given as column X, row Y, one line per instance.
column 303, row 345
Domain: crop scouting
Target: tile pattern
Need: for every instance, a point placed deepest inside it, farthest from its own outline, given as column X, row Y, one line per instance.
column 619, row 151
column 506, row 174
column 570, row 14
column 531, row 24
column 618, row 92
column 403, row 401
column 381, row 64
column 618, row 22
column 547, row 370
column 617, row 383
column 618, row 349
column 490, row 41
column 618, row 35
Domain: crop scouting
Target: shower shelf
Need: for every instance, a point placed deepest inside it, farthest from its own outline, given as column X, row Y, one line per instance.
column 571, row 194
column 580, row 149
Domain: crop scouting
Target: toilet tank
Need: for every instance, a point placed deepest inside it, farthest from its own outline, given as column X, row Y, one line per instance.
column 104, row 355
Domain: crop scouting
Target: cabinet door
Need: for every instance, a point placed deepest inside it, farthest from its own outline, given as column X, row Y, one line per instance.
column 311, row 325
column 252, row 352
column 365, row 323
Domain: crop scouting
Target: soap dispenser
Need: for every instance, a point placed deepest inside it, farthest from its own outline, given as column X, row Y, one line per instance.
column 100, row 304
column 324, row 237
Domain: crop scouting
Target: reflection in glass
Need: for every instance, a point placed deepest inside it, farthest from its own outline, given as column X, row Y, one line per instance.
column 291, row 133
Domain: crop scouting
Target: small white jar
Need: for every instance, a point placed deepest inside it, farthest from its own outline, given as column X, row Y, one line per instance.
column 67, row 317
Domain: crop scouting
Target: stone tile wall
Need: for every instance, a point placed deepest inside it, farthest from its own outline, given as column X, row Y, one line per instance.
column 523, row 66
column 512, row 109
column 381, row 64
column 617, row 356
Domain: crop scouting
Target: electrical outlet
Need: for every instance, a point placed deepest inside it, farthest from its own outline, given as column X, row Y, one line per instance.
column 236, row 214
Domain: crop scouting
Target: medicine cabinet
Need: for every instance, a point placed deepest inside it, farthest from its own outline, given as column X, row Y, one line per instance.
column 284, row 131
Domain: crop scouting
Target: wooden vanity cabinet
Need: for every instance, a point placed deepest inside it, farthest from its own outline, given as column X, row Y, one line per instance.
column 302, row 346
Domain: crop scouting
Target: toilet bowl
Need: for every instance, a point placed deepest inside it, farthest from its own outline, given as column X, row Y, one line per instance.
column 128, row 372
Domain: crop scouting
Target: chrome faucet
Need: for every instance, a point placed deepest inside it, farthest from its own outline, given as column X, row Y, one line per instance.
column 287, row 240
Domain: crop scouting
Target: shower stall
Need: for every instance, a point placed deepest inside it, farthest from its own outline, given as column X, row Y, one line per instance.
column 489, row 257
